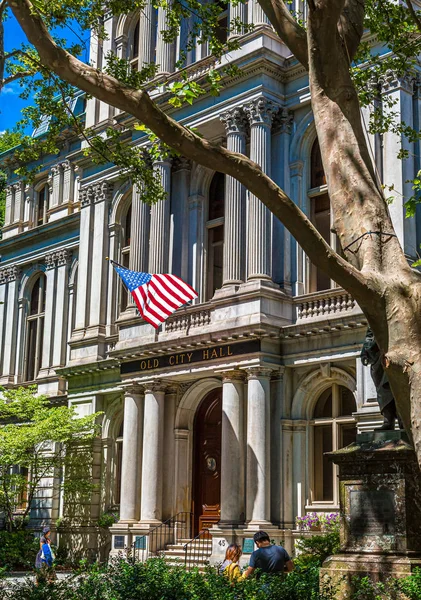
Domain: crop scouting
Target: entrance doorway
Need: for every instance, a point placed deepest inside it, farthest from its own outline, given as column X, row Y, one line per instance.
column 207, row 461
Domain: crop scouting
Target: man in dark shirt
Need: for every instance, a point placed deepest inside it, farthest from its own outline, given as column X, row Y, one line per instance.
column 268, row 558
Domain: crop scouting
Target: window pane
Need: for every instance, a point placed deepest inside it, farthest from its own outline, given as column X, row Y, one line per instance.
column 346, row 402
column 41, row 206
column 34, row 304
column 31, row 350
column 324, row 405
column 217, row 236
column 323, row 468
column 136, row 41
column 347, row 435
column 317, row 172
column 128, row 228
column 217, row 197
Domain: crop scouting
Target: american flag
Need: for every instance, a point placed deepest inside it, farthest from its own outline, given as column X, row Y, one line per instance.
column 156, row 296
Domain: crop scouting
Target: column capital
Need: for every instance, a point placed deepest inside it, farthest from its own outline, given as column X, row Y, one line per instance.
column 9, row 274
column 182, row 164
column 233, row 375
column 86, row 196
column 60, row 258
column 103, row 191
column 258, row 373
column 296, row 168
column 133, row 389
column 391, row 81
column 284, row 120
column 261, row 111
column 154, row 386
column 235, row 121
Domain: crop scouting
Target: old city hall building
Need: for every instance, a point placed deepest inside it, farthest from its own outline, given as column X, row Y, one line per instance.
column 227, row 410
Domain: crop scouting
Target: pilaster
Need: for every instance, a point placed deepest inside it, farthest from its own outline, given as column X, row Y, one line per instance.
column 147, row 35
column 85, row 256
column 11, row 277
column 296, row 183
column 179, row 241
column 50, row 298
column 196, row 235
column 61, row 322
column 160, row 222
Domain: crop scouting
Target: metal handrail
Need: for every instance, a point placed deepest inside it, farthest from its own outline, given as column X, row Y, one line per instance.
column 194, row 551
column 170, row 531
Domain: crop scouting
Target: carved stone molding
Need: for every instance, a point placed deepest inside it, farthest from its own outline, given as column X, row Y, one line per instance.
column 100, row 192
column 235, row 121
column 133, row 389
column 9, row 274
column 182, row 164
column 233, row 375
column 390, row 81
column 58, row 258
column 284, row 120
column 154, row 386
column 261, row 111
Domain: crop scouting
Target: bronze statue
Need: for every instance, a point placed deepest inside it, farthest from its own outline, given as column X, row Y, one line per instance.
column 371, row 355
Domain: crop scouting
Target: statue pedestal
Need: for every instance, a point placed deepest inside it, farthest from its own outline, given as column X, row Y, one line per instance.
column 380, row 507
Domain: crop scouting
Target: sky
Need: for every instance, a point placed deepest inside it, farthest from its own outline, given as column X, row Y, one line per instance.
column 10, row 103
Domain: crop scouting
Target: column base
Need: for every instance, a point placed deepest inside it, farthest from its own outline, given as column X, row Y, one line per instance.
column 260, row 525
column 148, row 524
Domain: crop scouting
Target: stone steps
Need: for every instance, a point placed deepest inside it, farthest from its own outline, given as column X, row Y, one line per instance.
column 199, row 551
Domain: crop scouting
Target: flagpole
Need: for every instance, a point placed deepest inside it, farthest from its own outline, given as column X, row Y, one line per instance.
column 114, row 262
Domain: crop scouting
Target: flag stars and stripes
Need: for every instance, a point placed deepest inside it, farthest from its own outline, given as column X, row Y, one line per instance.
column 156, row 296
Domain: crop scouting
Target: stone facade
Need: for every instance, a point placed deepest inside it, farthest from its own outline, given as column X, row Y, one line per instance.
column 281, row 346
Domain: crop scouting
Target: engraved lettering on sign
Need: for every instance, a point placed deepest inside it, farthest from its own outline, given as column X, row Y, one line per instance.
column 372, row 512
column 186, row 358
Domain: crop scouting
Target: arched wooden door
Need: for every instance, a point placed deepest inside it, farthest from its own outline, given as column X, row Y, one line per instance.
column 207, row 461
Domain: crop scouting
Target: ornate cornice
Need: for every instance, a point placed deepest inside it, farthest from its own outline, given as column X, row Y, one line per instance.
column 100, row 192
column 258, row 373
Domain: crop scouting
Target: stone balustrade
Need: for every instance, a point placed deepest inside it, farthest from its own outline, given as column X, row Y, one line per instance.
column 187, row 320
column 325, row 304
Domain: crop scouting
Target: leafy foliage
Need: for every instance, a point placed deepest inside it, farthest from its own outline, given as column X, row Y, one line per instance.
column 312, row 551
column 18, row 549
column 154, row 580
column 42, row 439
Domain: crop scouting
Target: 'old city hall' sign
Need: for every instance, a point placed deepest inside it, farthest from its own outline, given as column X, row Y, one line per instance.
column 186, row 358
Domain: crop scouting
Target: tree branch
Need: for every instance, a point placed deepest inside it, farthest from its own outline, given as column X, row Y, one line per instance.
column 138, row 104
column 414, row 14
column 15, row 77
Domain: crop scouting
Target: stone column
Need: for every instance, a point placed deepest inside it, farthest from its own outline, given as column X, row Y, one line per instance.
column 235, row 202
column 147, row 35
column 165, row 51
column 85, row 258
column 276, row 405
column 260, row 113
column 121, row 46
column 3, row 298
column 11, row 277
column 8, row 215
column 55, row 186
column 153, row 438
column 61, row 315
column 50, row 298
column 68, row 182
column 299, row 470
column 160, row 223
column 19, row 205
column 232, row 451
column 258, row 446
column 132, row 455
column 97, row 308
column 258, row 15
column 238, row 12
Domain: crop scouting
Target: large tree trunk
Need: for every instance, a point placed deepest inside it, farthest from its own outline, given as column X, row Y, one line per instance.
column 359, row 206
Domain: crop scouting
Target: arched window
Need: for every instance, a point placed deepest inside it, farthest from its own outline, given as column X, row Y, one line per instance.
column 215, row 234
column 320, row 214
column 125, row 254
column 41, row 206
column 118, row 464
column 135, row 53
column 35, row 329
column 333, row 428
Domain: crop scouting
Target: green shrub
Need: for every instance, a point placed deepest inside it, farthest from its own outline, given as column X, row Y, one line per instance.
column 411, row 586
column 128, row 580
column 18, row 549
column 312, row 551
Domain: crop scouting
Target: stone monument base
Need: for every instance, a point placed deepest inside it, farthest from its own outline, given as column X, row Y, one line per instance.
column 340, row 569
column 380, row 487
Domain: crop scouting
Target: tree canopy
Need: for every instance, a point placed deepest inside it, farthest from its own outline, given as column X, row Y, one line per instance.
column 40, row 439
column 344, row 72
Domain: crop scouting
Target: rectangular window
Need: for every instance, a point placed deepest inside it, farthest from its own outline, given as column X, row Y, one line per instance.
column 323, row 469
